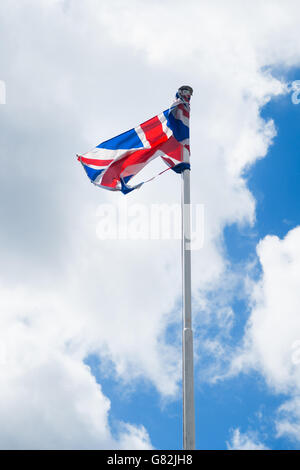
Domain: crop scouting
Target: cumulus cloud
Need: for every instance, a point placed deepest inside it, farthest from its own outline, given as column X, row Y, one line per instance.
column 48, row 398
column 244, row 441
column 77, row 73
column 271, row 342
column 272, row 333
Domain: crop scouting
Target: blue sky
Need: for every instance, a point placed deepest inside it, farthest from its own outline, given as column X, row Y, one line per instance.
column 90, row 326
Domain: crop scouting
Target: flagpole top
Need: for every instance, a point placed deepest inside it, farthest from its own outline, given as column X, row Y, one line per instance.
column 186, row 88
column 184, row 93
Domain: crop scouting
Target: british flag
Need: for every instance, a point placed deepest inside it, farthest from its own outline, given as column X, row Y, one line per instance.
column 114, row 162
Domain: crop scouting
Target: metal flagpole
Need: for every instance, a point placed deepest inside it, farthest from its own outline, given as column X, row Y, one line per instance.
column 187, row 332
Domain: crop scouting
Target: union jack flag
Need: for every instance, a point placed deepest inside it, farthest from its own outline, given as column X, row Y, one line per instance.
column 114, row 162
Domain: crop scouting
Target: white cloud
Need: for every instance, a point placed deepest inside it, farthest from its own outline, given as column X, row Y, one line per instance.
column 271, row 342
column 48, row 397
column 79, row 72
column 244, row 441
column 288, row 420
column 274, row 325
column 133, row 437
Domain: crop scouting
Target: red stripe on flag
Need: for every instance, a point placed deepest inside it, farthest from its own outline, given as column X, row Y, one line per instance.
column 93, row 161
column 127, row 165
column 116, row 169
column 154, row 131
column 184, row 110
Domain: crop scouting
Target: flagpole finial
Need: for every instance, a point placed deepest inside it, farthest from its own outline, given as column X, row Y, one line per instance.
column 185, row 92
column 186, row 88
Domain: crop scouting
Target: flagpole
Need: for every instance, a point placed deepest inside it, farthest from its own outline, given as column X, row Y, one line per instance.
column 187, row 332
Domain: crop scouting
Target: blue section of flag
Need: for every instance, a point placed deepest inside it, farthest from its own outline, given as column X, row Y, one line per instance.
column 127, row 140
column 127, row 189
column 127, row 178
column 91, row 172
column 124, row 188
column 181, row 167
column 180, row 131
